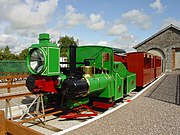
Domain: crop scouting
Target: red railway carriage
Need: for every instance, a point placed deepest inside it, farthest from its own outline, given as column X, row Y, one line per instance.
column 157, row 70
column 146, row 66
column 121, row 58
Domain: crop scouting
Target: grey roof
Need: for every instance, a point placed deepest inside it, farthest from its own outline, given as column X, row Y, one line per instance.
column 117, row 50
column 156, row 34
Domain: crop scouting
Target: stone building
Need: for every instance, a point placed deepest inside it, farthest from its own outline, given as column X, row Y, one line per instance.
column 165, row 43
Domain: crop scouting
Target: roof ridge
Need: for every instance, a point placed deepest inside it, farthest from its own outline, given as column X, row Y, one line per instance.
column 156, row 34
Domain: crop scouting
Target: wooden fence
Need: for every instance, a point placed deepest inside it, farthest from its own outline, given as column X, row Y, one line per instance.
column 8, row 126
column 10, row 83
column 11, row 127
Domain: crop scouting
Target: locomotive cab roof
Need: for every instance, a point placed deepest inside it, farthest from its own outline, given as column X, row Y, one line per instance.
column 115, row 50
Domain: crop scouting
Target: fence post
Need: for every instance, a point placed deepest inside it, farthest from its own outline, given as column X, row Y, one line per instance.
column 9, row 84
column 2, row 123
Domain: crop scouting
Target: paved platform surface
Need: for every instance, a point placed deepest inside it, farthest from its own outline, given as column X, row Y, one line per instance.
column 155, row 112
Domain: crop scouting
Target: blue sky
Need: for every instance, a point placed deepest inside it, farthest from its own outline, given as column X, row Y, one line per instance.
column 119, row 23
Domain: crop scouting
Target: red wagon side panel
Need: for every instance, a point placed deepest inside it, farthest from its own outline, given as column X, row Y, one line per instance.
column 158, row 69
column 121, row 58
column 152, row 67
column 145, row 65
column 135, row 63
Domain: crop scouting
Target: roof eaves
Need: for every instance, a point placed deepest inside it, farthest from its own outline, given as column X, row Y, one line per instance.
column 156, row 34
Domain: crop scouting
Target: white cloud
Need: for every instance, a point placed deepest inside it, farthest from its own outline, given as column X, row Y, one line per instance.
column 13, row 41
column 96, row 22
column 7, row 2
column 22, row 21
column 6, row 40
column 124, row 39
column 28, row 14
column 72, row 17
column 125, row 42
column 70, row 9
column 137, row 18
column 157, row 5
column 169, row 21
column 103, row 42
column 55, row 34
column 118, row 29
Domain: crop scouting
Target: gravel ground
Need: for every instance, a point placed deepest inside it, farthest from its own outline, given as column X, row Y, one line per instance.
column 168, row 91
column 19, row 100
column 154, row 112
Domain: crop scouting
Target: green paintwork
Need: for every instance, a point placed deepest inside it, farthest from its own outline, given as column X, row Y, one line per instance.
column 94, row 52
column 129, row 78
column 131, row 82
column 119, row 73
column 77, row 102
column 120, row 69
column 109, row 91
column 51, row 54
column 97, row 83
column 53, row 65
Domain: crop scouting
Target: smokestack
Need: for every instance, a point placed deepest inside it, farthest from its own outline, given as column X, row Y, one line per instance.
column 72, row 59
column 44, row 38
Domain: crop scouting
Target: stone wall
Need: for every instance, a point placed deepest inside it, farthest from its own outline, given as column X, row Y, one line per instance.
column 164, row 42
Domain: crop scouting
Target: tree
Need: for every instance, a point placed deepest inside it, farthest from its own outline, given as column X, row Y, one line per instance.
column 23, row 54
column 7, row 55
column 1, row 54
column 64, row 44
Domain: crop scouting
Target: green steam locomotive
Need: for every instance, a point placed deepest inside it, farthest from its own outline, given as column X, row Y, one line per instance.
column 91, row 74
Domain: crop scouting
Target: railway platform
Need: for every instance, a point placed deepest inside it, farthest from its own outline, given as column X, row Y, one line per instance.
column 156, row 111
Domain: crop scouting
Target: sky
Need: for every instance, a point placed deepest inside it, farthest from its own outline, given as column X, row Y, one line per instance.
column 115, row 23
